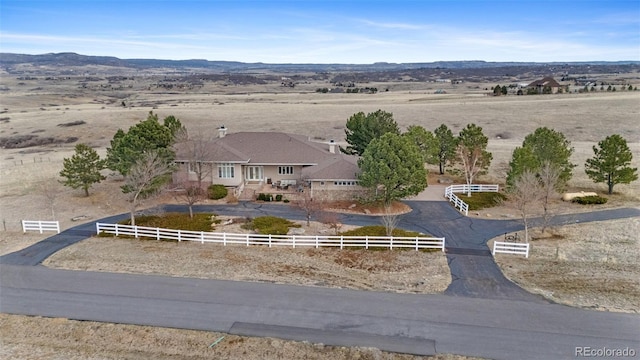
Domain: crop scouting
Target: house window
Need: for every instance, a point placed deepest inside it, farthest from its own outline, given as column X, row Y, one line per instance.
column 345, row 183
column 192, row 167
column 285, row 170
column 226, row 171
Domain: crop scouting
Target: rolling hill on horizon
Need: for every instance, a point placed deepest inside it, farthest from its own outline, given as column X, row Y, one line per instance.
column 10, row 61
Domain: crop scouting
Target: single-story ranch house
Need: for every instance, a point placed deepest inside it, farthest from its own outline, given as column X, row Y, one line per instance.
column 549, row 83
column 253, row 162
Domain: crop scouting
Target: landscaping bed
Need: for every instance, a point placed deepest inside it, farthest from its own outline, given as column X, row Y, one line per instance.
column 406, row 271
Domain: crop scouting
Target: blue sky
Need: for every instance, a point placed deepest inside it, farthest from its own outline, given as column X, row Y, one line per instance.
column 330, row 31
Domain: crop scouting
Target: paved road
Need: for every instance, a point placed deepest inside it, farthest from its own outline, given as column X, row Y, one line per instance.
column 419, row 324
column 488, row 316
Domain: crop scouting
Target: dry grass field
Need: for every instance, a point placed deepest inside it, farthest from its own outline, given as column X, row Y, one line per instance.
column 28, row 187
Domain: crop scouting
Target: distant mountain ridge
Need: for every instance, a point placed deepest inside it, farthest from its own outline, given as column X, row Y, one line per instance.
column 8, row 60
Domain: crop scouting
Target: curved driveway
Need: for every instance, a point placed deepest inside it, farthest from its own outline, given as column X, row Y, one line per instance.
column 488, row 316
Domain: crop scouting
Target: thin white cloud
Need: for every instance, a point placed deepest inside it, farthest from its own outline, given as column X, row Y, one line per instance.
column 390, row 25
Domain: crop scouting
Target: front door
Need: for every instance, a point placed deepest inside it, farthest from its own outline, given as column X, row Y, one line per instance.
column 253, row 173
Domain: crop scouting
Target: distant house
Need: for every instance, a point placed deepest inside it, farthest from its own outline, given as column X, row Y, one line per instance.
column 259, row 161
column 547, row 85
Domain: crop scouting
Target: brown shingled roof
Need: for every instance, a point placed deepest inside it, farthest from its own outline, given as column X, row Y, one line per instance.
column 336, row 167
column 547, row 81
column 276, row 148
column 263, row 148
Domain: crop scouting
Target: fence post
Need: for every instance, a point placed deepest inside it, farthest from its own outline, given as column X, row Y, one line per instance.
column 341, row 241
column 116, row 229
column 247, row 240
column 316, row 241
column 294, row 241
column 201, row 237
column 224, row 239
column 269, row 240
column 391, row 243
column 416, row 243
column 366, row 242
column 97, row 228
column 157, row 234
column 179, row 236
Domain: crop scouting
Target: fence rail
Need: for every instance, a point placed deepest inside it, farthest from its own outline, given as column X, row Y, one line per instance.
column 451, row 190
column 316, row 241
column 41, row 226
column 511, row 248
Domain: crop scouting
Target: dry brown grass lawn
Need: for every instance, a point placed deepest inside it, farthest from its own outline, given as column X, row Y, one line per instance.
column 30, row 338
column 590, row 265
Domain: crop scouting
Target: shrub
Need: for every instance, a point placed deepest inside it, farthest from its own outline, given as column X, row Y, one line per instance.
column 482, row 200
column 176, row 221
column 590, row 200
column 270, row 225
column 379, row 230
column 279, row 197
column 217, row 191
column 264, row 197
column 285, row 201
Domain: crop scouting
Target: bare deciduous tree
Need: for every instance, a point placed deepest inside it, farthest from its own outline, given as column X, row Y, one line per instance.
column 389, row 220
column 146, row 178
column 524, row 194
column 471, row 153
column 332, row 220
column 309, row 205
column 549, row 182
column 50, row 190
column 199, row 153
column 190, row 194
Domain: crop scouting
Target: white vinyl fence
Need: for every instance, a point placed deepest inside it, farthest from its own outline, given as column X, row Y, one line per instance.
column 37, row 225
column 450, row 193
column 511, row 248
column 316, row 241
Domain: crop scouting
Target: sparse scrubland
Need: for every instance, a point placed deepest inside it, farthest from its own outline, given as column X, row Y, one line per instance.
column 587, row 265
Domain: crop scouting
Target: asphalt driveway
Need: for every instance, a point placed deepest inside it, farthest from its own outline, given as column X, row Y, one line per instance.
column 481, row 314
